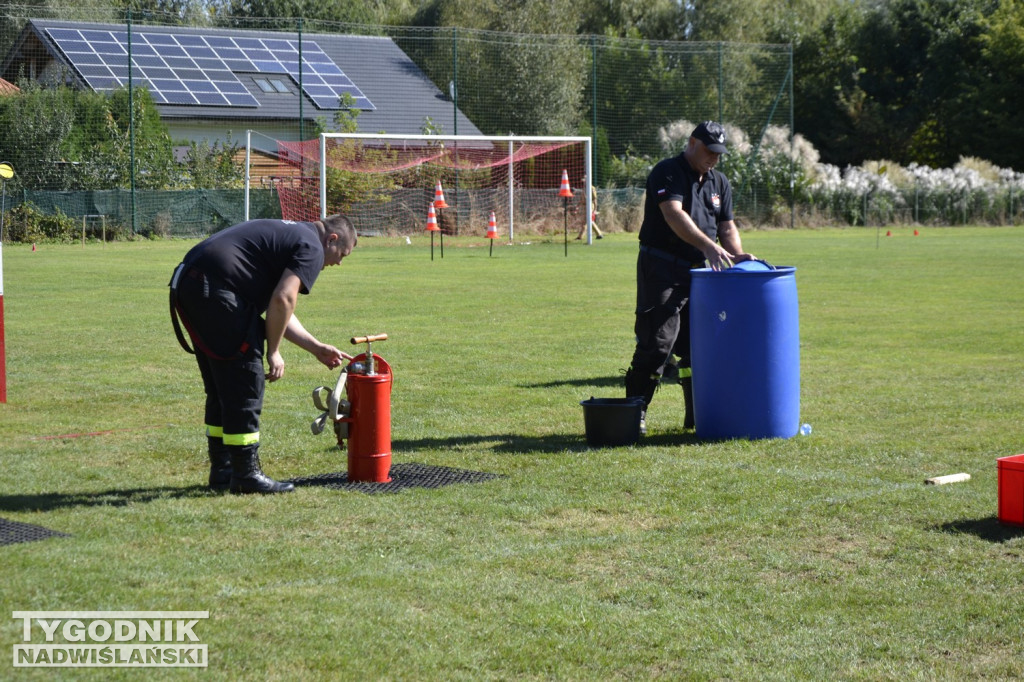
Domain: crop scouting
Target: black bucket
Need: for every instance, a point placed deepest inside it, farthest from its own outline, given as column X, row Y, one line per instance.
column 612, row 421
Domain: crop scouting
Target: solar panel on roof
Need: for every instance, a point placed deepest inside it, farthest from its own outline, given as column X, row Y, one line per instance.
column 188, row 68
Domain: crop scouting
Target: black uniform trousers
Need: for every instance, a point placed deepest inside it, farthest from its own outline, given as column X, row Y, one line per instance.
column 662, row 324
column 228, row 334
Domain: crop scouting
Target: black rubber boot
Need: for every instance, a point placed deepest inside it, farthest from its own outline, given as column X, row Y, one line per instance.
column 248, row 477
column 220, row 464
column 687, row 384
column 670, row 373
column 641, row 385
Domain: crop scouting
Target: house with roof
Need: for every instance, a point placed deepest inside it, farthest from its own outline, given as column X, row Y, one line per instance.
column 210, row 84
column 8, row 88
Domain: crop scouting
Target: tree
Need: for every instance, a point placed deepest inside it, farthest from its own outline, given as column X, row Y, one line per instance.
column 182, row 9
column 212, row 166
column 827, row 93
column 641, row 86
column 996, row 126
column 110, row 160
column 757, row 21
column 730, row 20
column 893, row 80
column 352, row 11
column 33, row 126
column 653, row 20
column 539, row 69
column 918, row 56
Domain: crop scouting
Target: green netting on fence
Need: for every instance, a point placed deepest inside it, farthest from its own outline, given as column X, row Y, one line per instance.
column 166, row 213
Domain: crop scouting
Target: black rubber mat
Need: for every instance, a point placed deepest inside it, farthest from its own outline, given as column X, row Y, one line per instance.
column 403, row 476
column 12, row 532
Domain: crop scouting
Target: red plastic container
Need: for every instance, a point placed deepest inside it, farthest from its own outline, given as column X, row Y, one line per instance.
column 1010, row 472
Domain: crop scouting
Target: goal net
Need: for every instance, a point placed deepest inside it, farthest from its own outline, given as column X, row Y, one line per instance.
column 386, row 183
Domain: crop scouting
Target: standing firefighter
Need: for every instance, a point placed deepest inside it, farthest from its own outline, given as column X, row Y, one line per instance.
column 688, row 222
column 220, row 290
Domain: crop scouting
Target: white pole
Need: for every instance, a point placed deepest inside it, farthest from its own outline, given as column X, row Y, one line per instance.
column 248, row 159
column 589, row 185
column 479, row 138
column 323, row 176
column 511, row 227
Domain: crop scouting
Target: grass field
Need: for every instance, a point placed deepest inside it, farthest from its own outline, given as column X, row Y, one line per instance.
column 817, row 557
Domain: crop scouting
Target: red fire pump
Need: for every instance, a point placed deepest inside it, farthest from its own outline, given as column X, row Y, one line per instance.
column 364, row 419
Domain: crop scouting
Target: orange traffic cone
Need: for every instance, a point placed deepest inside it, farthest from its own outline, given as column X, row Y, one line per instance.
column 492, row 231
column 564, row 190
column 916, row 233
column 888, row 233
column 439, row 201
column 432, row 220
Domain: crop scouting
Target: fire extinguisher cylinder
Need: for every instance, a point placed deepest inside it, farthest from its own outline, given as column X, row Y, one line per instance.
column 369, row 422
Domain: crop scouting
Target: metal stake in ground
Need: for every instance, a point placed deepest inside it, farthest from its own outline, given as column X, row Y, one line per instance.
column 492, row 233
column 432, row 227
column 440, row 203
column 565, row 225
column 566, row 193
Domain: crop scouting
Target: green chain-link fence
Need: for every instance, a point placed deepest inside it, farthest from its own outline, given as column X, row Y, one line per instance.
column 151, row 161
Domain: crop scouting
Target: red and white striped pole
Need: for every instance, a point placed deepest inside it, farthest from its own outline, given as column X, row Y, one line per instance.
column 6, row 172
column 3, row 352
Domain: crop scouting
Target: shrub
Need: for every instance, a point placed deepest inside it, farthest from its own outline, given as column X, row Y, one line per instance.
column 26, row 223
column 877, row 192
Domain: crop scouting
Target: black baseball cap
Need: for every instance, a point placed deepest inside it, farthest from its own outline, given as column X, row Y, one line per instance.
column 712, row 135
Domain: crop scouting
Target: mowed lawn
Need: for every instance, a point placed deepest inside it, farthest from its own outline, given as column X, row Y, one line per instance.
column 816, row 557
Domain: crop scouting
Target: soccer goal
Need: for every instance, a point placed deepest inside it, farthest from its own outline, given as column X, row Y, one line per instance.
column 387, row 183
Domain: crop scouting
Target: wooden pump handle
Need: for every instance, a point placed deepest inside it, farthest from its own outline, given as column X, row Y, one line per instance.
column 356, row 340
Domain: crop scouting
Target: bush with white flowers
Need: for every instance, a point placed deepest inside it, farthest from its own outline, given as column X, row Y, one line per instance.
column 765, row 173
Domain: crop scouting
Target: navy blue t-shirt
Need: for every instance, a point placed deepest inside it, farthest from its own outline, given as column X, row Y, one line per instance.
column 708, row 203
column 249, row 258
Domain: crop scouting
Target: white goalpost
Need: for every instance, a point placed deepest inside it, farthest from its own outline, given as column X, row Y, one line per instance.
column 385, row 182
column 509, row 144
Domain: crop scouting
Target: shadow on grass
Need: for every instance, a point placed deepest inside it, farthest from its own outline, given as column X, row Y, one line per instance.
column 501, row 443
column 519, row 444
column 104, row 498
column 616, row 382
column 988, row 528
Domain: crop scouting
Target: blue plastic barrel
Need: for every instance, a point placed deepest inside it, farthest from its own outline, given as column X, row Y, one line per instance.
column 745, row 352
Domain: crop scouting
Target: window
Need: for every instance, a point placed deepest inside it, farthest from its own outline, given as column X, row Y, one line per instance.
column 272, row 85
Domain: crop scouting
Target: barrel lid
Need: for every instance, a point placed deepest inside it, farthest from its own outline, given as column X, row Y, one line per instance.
column 752, row 266
column 756, row 269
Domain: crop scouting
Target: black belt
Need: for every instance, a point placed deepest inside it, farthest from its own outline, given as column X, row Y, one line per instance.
column 177, row 312
column 176, row 308
column 675, row 260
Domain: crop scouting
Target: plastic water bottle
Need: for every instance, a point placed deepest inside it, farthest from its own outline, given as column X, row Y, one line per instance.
column 805, row 430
